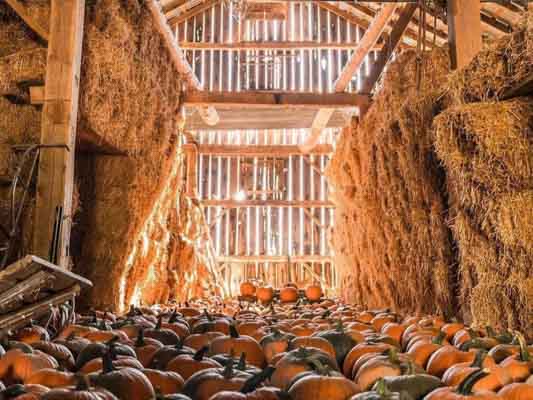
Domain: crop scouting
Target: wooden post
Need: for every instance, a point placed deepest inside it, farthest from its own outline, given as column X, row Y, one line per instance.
column 464, row 31
column 59, row 118
column 191, row 157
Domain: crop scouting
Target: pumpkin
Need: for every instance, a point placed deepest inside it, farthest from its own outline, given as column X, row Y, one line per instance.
column 464, row 391
column 32, row 333
column 341, row 341
column 164, row 354
column 186, row 364
column 18, row 365
column 51, row 378
column 126, row 383
column 164, row 382
column 360, row 350
column 239, row 344
column 313, row 292
column 162, row 334
column 322, row 384
column 247, row 288
column 81, row 391
column 496, row 378
column 204, row 384
column 145, row 348
column 210, row 323
column 516, row 391
column 445, row 357
column 415, row 385
column 421, row 351
column 265, row 294
column 519, row 366
column 275, row 343
column 312, row 341
column 199, row 340
column 250, row 389
column 288, row 294
column 297, row 361
column 60, row 352
column 97, row 350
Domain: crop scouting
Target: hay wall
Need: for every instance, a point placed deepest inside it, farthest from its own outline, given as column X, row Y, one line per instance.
column 21, row 62
column 129, row 96
column 391, row 241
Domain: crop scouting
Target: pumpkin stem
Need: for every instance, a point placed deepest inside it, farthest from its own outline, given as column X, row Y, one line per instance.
column 187, row 304
column 466, row 386
column 490, row 331
column 410, row 368
column 439, row 338
column 233, row 331
column 207, row 315
column 253, row 382
column 179, row 345
column 13, row 391
column 140, row 338
column 159, row 323
column 241, row 366
column 479, row 359
column 381, row 388
column 228, row 369
column 473, row 334
column 199, row 355
column 107, row 362
column 393, row 355
column 316, row 365
column 524, row 351
column 82, row 382
column 112, row 341
column 339, row 327
column 173, row 317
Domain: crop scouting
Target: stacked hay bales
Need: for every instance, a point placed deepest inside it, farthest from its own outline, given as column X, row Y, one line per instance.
column 391, row 240
column 22, row 61
column 130, row 96
column 486, row 146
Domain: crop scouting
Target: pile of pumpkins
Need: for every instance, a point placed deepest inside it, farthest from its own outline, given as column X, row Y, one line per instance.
column 292, row 348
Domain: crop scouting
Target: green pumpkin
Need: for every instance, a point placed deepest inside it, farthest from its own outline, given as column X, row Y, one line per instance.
column 416, row 385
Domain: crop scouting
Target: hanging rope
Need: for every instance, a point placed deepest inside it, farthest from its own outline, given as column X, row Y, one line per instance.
column 421, row 43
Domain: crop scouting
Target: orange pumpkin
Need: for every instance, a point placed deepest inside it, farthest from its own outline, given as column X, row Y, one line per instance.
column 288, row 294
column 313, row 292
column 464, row 391
column 265, row 294
column 247, row 288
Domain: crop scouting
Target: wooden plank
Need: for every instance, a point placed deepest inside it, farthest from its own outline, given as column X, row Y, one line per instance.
column 191, row 156
column 264, row 118
column 260, row 151
column 37, row 95
column 275, row 45
column 59, row 119
column 364, row 46
column 206, row 5
column 388, row 49
column 267, row 99
column 524, row 88
column 464, row 31
column 23, row 13
column 266, row 11
column 320, row 122
column 273, row 259
column 267, row 203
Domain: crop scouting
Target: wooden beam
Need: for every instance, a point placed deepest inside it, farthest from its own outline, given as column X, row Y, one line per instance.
column 260, row 151
column 279, row 99
column 388, row 49
column 267, row 203
column 59, row 118
column 191, row 157
column 37, row 95
column 464, row 31
column 206, row 5
column 320, row 122
column 22, row 11
column 274, row 259
column 364, row 46
column 275, row 45
column 183, row 67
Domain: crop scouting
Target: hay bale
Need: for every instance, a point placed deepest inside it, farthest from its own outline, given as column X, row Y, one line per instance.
column 497, row 68
column 388, row 185
column 20, row 70
column 15, row 35
column 514, row 221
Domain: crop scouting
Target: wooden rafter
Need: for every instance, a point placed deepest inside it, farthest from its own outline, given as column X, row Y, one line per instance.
column 276, row 45
column 258, row 99
column 268, row 203
column 464, row 31
column 22, row 11
column 206, row 5
column 260, row 151
column 364, row 46
column 389, row 47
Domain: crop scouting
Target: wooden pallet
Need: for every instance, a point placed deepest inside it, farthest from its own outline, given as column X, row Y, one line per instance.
column 31, row 286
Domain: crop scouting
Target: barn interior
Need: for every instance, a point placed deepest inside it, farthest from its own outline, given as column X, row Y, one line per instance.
column 358, row 173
